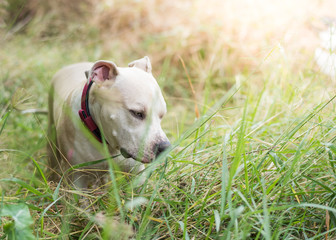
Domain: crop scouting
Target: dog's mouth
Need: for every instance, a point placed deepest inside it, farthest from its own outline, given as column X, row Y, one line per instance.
column 126, row 154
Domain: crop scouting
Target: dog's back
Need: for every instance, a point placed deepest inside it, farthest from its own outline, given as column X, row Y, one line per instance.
column 63, row 83
column 68, row 78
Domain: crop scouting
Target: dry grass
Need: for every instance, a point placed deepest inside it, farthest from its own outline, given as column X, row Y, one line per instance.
column 212, row 35
column 220, row 36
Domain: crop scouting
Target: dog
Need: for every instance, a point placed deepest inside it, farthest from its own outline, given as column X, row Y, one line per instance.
column 121, row 107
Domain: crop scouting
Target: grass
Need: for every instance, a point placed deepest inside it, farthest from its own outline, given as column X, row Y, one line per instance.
column 258, row 162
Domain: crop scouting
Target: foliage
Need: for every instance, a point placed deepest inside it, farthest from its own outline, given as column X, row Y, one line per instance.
column 19, row 228
column 251, row 118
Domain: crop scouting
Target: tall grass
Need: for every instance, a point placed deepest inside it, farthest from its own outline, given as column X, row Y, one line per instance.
column 256, row 160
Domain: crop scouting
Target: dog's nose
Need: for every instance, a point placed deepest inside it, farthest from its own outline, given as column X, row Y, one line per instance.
column 160, row 147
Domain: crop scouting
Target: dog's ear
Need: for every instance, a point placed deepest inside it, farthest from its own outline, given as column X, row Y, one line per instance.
column 103, row 70
column 143, row 63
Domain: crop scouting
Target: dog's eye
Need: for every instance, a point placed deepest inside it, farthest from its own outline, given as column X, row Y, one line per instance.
column 138, row 115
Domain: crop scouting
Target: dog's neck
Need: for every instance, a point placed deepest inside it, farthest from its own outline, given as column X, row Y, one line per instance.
column 84, row 112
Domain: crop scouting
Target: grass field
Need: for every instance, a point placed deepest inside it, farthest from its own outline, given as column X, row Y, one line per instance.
column 254, row 152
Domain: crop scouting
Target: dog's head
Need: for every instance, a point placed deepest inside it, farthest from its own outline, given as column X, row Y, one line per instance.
column 128, row 105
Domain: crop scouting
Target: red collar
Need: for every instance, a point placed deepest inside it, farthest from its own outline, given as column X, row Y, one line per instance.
column 85, row 115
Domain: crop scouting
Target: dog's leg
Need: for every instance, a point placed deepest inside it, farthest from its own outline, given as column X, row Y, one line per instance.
column 52, row 148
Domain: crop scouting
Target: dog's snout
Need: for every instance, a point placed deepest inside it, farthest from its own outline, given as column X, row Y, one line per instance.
column 160, row 147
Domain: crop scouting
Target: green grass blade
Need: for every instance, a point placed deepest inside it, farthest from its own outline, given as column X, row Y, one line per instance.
column 224, row 176
column 22, row 184
column 34, row 161
column 4, row 118
column 44, row 212
column 240, row 149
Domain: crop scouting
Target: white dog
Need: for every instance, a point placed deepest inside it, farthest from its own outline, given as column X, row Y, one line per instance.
column 122, row 105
